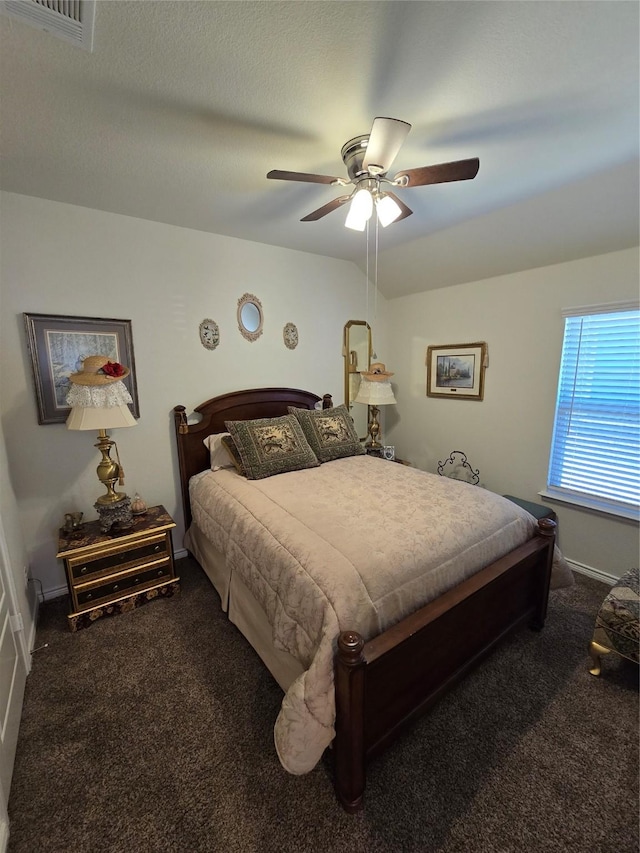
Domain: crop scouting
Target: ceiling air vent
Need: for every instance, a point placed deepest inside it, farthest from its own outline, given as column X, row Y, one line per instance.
column 71, row 20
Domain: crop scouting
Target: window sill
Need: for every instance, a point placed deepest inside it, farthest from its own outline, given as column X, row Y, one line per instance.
column 601, row 507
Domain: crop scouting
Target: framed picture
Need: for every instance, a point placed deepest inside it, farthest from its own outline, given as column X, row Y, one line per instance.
column 456, row 371
column 389, row 451
column 58, row 345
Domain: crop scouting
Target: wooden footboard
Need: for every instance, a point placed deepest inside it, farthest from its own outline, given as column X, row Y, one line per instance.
column 382, row 685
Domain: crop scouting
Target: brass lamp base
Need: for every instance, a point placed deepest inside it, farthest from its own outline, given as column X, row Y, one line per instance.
column 108, row 471
column 115, row 517
column 374, row 428
column 114, row 508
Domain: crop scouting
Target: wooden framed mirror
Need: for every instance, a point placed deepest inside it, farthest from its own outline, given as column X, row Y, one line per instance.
column 356, row 350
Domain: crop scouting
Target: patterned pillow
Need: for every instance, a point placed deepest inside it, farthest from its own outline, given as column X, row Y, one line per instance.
column 330, row 432
column 232, row 452
column 270, row 446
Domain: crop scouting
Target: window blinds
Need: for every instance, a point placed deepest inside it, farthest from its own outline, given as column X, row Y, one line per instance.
column 595, row 451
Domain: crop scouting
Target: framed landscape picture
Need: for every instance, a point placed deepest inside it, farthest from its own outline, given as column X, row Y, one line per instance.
column 456, row 371
column 58, row 345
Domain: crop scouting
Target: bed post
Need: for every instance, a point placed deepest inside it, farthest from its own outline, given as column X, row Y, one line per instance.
column 349, row 774
column 182, row 428
column 547, row 530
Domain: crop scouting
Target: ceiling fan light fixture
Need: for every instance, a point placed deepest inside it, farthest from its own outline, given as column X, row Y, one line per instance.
column 368, row 158
column 387, row 209
column 360, row 210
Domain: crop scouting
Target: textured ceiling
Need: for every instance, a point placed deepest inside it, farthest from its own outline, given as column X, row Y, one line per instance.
column 183, row 107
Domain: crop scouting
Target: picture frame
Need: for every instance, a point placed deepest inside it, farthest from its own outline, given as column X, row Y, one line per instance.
column 389, row 452
column 456, row 371
column 58, row 345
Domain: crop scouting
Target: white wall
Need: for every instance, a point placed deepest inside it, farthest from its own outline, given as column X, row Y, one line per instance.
column 507, row 436
column 62, row 259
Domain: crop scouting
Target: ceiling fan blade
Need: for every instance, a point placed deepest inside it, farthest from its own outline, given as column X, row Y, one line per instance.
column 385, row 140
column 327, row 208
column 277, row 175
column 406, row 211
column 459, row 170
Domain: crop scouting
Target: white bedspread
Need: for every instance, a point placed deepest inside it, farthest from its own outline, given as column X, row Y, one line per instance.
column 357, row 544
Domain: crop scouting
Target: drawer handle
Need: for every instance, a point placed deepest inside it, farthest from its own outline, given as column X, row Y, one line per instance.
column 136, row 580
column 158, row 548
column 160, row 573
column 115, row 587
column 89, row 596
column 84, row 569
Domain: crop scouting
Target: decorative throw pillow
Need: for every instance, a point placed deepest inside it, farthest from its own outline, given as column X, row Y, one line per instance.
column 330, row 432
column 232, row 453
column 218, row 455
column 270, row 446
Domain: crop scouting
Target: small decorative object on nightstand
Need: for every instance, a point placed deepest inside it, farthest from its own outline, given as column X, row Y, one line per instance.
column 387, row 451
column 73, row 524
column 109, row 574
column 138, row 506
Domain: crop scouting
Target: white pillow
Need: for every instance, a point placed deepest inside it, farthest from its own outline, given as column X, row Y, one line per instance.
column 218, row 454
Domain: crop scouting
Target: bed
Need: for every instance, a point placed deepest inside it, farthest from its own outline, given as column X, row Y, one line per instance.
column 361, row 637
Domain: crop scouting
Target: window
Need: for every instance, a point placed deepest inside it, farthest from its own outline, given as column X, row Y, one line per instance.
column 595, row 451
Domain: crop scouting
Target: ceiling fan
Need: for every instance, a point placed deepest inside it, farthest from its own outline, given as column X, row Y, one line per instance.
column 368, row 158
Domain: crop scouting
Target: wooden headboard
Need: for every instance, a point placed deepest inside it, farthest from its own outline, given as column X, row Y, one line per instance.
column 193, row 456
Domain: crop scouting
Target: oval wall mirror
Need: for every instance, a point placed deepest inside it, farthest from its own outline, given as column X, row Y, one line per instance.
column 357, row 357
column 250, row 317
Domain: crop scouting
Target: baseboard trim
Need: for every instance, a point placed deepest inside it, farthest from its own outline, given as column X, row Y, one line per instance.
column 597, row 574
column 31, row 639
column 55, row 592
column 180, row 553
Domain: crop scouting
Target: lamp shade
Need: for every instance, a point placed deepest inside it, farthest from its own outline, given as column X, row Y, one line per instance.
column 388, row 210
column 360, row 210
column 100, row 417
column 375, row 393
column 99, row 407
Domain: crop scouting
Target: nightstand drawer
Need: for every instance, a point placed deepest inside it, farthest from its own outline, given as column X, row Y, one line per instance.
column 118, row 558
column 90, row 594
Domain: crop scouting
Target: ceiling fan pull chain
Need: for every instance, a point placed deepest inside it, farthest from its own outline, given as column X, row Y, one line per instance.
column 375, row 276
column 366, row 305
column 373, row 352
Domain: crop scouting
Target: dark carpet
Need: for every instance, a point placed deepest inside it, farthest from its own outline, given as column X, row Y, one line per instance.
column 152, row 731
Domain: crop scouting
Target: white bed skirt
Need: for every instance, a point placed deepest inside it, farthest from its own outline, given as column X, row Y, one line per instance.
column 242, row 608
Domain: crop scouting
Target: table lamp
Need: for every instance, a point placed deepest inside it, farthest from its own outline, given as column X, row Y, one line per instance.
column 98, row 398
column 375, row 390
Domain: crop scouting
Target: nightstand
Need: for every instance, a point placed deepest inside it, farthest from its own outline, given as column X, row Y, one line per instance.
column 109, row 574
column 378, row 451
